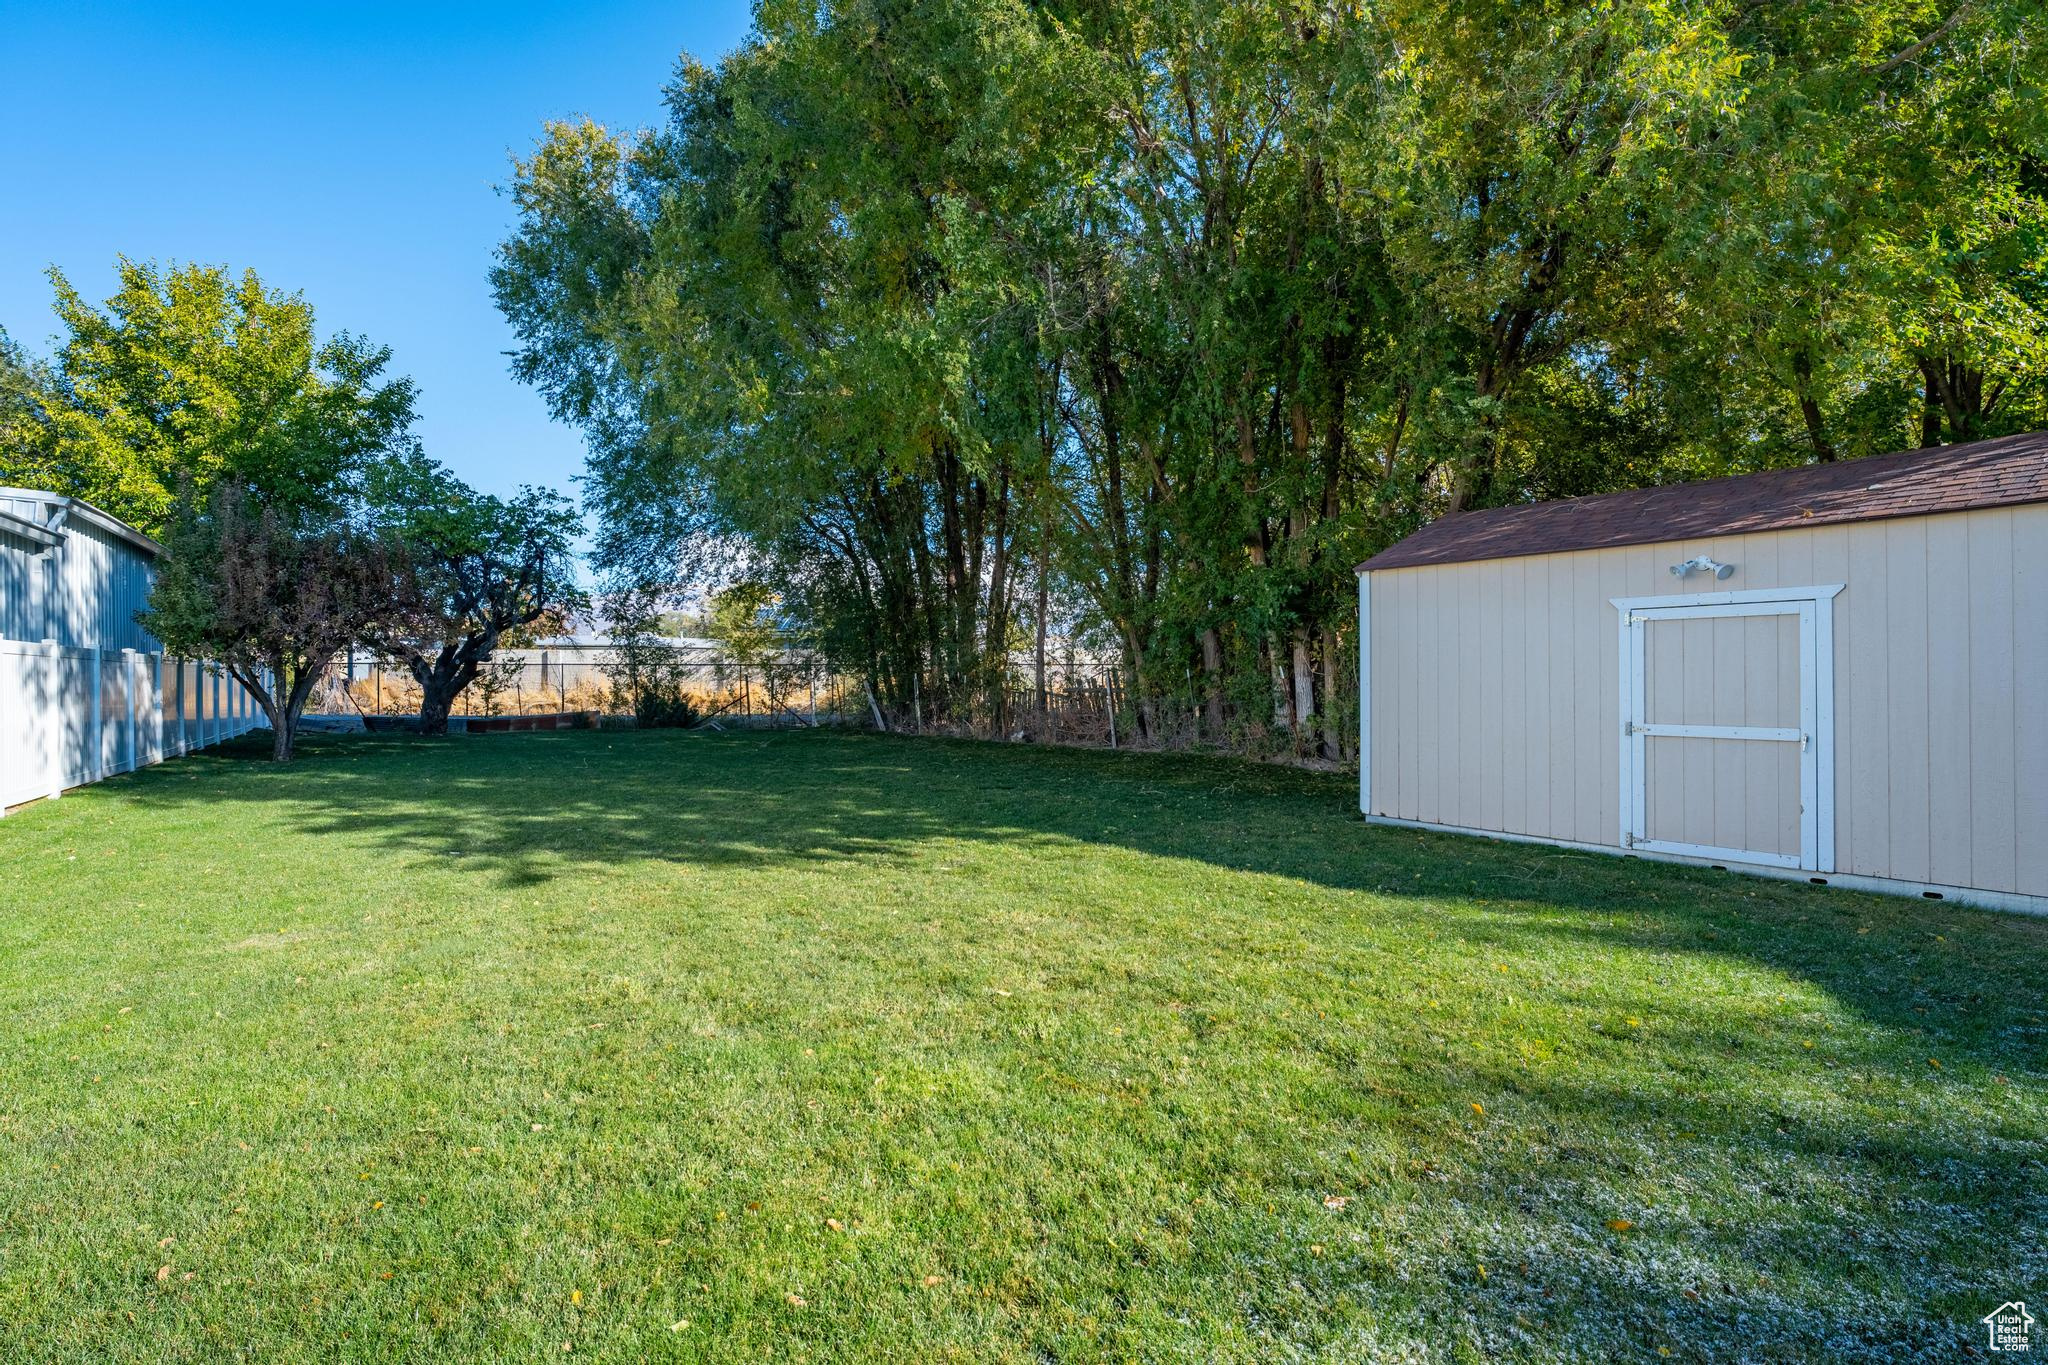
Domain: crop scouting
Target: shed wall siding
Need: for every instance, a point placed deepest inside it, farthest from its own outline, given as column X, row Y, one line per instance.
column 85, row 692
column 82, row 592
column 1495, row 689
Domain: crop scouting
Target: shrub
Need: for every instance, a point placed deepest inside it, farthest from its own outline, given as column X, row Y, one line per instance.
column 664, row 708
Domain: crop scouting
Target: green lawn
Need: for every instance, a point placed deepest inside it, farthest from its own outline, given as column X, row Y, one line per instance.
column 825, row 1047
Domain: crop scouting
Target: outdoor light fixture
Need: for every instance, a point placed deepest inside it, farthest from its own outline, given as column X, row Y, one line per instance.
column 1702, row 564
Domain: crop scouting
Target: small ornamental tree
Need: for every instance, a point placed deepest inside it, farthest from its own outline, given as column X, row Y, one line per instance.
column 479, row 569
column 271, row 595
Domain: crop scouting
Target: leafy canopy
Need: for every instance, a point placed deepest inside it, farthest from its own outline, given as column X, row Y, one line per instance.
column 192, row 373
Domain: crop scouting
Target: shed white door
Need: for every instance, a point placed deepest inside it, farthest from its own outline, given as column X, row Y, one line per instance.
column 1722, row 731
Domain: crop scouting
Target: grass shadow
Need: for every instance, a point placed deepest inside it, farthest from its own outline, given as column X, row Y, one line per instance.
column 521, row 810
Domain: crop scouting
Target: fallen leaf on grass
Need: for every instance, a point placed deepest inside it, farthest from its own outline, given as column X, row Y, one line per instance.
column 1338, row 1201
column 932, row 1281
column 795, row 1300
column 163, row 1272
column 1619, row 1225
column 835, row 1225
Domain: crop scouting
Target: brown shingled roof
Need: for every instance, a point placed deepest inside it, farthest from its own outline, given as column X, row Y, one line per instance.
column 1994, row 473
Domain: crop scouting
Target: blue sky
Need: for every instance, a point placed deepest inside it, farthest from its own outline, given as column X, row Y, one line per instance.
column 347, row 151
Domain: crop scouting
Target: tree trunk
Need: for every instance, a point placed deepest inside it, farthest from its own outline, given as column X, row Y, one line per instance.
column 437, row 699
column 1809, row 409
column 1304, row 691
column 1038, row 660
column 1930, row 405
column 1283, row 696
column 283, row 723
column 285, row 713
column 1212, row 683
column 1333, row 735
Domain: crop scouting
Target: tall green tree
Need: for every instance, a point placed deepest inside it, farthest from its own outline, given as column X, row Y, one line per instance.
column 949, row 318
column 192, row 373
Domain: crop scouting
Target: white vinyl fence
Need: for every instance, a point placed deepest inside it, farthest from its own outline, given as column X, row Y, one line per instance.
column 69, row 716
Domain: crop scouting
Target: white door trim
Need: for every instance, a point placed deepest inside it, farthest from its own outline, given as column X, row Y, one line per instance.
column 1816, row 732
column 1365, row 694
column 1817, row 593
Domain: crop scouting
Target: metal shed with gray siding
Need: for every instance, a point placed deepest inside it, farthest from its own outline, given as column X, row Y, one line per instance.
column 84, row 691
column 1833, row 673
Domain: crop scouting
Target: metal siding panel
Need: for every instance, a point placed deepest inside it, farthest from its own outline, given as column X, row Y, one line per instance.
column 17, row 562
column 1949, row 795
column 1773, row 695
column 1564, row 756
column 1386, row 695
column 1867, row 735
column 1993, row 689
column 1580, row 626
column 1731, row 640
column 1906, row 605
column 1831, row 565
column 1533, row 686
column 1696, row 761
column 1464, row 806
column 1508, row 700
column 1407, row 651
column 1436, row 632
column 1794, row 565
column 2029, row 627
column 1489, row 730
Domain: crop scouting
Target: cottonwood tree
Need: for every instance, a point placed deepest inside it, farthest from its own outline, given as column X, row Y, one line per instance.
column 478, row 569
column 1190, row 306
column 272, row 594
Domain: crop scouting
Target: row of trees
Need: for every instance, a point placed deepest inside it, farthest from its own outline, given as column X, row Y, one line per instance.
column 282, row 474
column 962, row 321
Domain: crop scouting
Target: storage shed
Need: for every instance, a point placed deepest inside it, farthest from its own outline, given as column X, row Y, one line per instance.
column 1837, row 673
column 84, row 691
